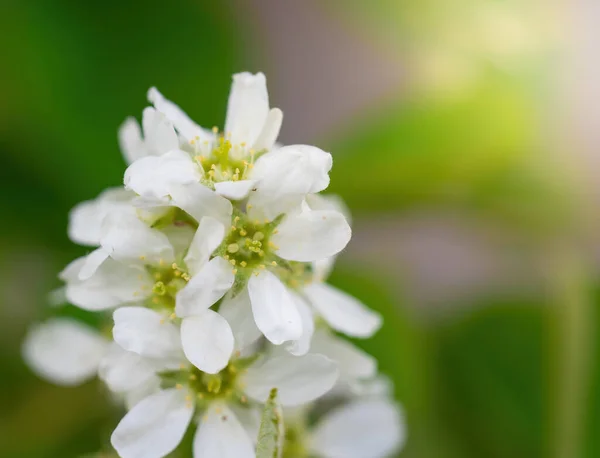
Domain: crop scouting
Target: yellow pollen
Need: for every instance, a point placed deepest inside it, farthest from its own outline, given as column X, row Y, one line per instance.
column 232, row 262
column 179, row 386
column 243, row 263
column 234, row 271
column 273, row 263
column 233, row 248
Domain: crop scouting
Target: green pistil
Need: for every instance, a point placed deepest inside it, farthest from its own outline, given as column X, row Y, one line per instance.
column 247, row 246
column 169, row 280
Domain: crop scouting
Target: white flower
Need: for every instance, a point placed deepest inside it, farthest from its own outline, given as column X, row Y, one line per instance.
column 156, row 425
column 239, row 164
column 249, row 253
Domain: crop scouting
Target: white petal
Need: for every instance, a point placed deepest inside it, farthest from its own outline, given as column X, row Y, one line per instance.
column 343, row 312
column 238, row 313
column 92, row 262
column 298, row 379
column 331, row 202
column 130, row 140
column 274, row 308
column 64, row 351
column 112, row 284
column 146, row 332
column 247, row 108
column 199, row 201
column 221, row 435
column 141, row 392
column 353, row 362
column 207, row 341
column 312, row 235
column 270, row 131
column 154, row 427
column 234, row 190
column 302, row 345
column 128, row 239
column 153, row 176
column 124, row 370
column 159, row 135
column 287, row 175
column 372, row 428
column 208, row 237
column 85, row 219
column 184, row 125
column 205, row 288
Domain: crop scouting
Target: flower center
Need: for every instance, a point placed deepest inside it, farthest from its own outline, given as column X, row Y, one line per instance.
column 225, row 162
column 206, row 387
column 169, row 280
column 247, row 246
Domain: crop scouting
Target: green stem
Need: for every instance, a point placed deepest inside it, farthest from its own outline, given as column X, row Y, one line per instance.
column 573, row 327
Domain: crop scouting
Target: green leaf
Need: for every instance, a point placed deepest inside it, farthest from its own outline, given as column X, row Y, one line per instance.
column 271, row 433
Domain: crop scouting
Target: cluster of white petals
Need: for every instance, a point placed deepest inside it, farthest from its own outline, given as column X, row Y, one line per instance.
column 210, row 266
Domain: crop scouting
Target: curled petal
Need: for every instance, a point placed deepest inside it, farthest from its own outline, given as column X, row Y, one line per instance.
column 247, row 108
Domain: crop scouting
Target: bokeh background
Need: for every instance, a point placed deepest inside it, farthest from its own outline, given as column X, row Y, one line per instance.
column 466, row 142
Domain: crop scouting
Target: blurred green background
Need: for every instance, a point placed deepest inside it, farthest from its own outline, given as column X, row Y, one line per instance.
column 462, row 144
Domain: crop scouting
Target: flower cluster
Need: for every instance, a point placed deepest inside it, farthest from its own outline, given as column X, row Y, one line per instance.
column 210, row 264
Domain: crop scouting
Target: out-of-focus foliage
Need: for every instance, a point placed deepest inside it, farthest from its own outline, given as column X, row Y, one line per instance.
column 479, row 152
